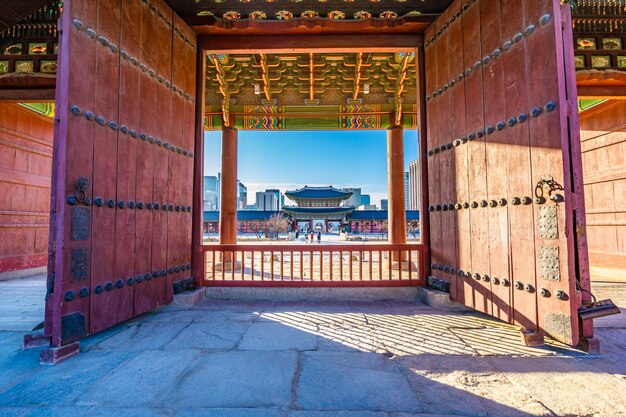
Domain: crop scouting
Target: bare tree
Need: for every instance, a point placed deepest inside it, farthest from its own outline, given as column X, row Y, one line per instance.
column 413, row 228
column 277, row 224
column 258, row 228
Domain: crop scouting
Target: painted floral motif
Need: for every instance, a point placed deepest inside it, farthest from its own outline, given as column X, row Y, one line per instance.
column 37, row 48
column 310, row 14
column 24, row 66
column 48, row 66
column 4, row 67
column 579, row 61
column 611, row 43
column 336, row 15
column 388, row 15
column 258, row 15
column 621, row 61
column 600, row 61
column 284, row 15
column 232, row 15
column 362, row 14
column 585, row 43
column 13, row 49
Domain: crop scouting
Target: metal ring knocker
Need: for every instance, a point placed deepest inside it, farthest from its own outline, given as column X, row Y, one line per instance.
column 81, row 189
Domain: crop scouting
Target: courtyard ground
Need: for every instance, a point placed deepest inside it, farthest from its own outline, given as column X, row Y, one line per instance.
column 308, row 359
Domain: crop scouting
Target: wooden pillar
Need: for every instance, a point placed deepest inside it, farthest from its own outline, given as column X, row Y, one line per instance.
column 395, row 188
column 198, row 225
column 228, row 187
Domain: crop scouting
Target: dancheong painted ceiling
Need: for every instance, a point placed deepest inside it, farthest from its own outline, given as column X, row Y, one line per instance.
column 292, row 91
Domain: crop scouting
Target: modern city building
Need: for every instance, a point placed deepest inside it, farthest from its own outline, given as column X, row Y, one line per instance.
column 242, row 195
column 355, row 199
column 406, row 191
column 414, row 199
column 384, row 204
column 211, row 193
column 366, row 200
column 269, row 200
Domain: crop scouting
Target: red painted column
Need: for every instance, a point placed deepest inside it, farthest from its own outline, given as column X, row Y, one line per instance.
column 228, row 187
column 395, row 187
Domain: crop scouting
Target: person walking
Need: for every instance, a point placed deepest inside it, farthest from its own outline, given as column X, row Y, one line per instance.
column 319, row 237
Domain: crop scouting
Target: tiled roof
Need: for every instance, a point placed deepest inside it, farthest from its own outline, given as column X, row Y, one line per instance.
column 318, row 192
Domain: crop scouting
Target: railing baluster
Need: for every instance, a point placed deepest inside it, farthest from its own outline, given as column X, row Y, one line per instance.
column 282, row 262
column 321, row 265
column 360, row 265
column 350, row 269
column 301, row 265
column 213, row 267
column 409, row 252
column 389, row 264
column 340, row 265
column 272, row 266
column 262, row 265
column 371, row 262
column 330, row 265
column 400, row 264
column 380, row 265
column 291, row 266
column 252, row 266
column 311, row 265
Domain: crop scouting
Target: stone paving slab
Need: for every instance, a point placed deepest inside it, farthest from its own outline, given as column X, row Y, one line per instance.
column 142, row 380
column 353, row 381
column 277, row 336
column 237, row 379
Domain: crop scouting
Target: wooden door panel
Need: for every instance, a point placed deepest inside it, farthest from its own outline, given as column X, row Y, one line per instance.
column 117, row 107
column 514, row 245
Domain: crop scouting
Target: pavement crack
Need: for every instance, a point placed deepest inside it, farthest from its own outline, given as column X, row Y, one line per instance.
column 295, row 381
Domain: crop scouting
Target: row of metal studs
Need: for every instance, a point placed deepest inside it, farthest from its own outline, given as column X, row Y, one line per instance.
column 121, row 204
column 516, row 201
column 449, row 23
column 521, row 118
column 91, row 34
column 519, row 285
column 113, row 125
column 161, row 16
column 109, row 286
column 506, row 46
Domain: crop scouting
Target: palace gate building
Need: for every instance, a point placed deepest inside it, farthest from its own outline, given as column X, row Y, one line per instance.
column 490, row 86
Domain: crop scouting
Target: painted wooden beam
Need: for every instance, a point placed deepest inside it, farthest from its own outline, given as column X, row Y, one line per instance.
column 310, row 43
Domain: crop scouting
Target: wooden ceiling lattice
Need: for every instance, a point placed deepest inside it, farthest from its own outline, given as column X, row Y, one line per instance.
column 315, row 84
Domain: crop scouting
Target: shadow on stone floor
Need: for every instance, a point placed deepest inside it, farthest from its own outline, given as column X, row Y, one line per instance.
column 349, row 359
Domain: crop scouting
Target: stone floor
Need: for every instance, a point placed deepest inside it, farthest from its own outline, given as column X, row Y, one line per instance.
column 324, row 359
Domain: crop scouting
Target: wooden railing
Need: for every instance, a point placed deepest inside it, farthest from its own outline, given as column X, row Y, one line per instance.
column 300, row 265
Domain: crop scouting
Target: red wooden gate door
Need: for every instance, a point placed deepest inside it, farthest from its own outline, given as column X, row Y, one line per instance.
column 507, row 215
column 123, row 164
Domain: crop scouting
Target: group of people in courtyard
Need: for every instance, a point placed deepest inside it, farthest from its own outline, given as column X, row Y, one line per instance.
column 309, row 235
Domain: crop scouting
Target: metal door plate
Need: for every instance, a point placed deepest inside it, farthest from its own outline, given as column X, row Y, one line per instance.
column 548, row 222
column 549, row 263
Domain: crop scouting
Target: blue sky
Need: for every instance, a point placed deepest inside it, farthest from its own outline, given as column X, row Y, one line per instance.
column 292, row 159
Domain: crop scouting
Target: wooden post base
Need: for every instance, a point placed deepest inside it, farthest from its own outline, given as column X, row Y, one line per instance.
column 35, row 340
column 589, row 345
column 532, row 338
column 54, row 355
